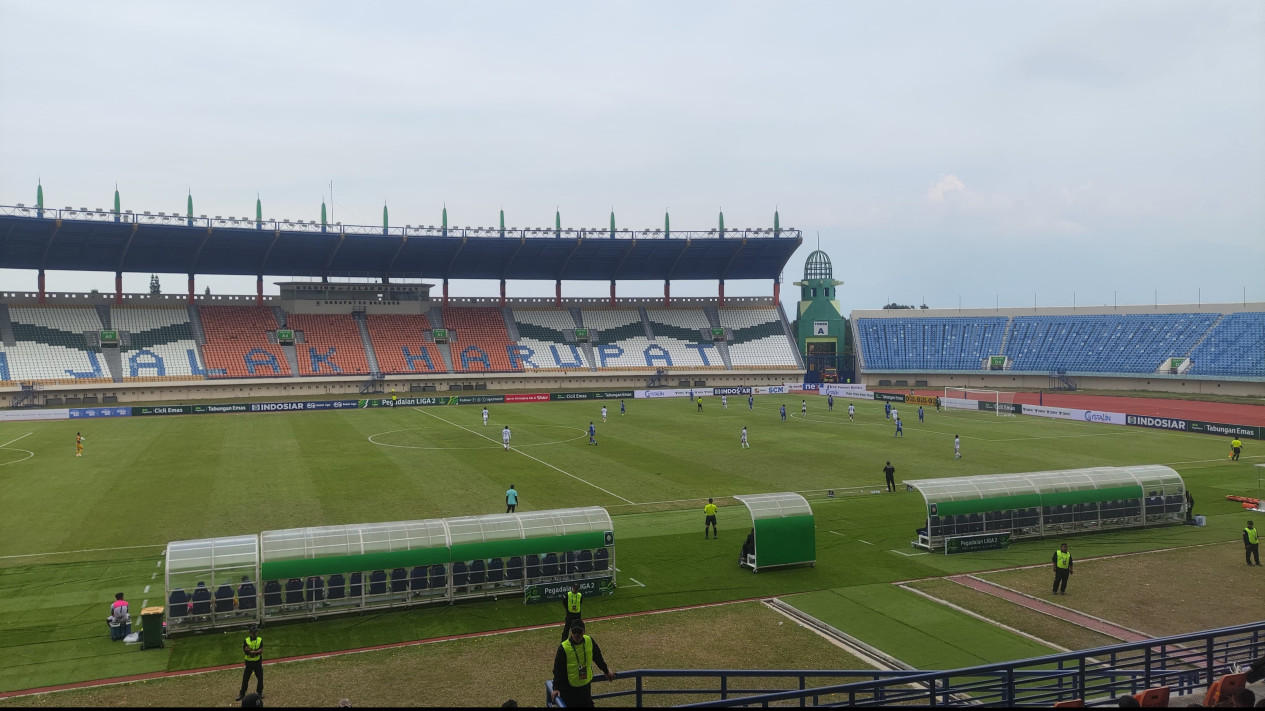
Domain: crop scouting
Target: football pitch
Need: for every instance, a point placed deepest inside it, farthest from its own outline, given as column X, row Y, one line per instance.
column 79, row 529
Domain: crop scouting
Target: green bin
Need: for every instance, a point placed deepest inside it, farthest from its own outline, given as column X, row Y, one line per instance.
column 152, row 627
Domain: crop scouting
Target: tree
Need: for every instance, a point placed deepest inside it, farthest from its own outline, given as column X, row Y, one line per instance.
column 895, row 305
column 208, row 293
column 924, row 306
column 154, row 287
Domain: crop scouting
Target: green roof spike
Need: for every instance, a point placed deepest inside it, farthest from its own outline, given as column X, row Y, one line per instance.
column 667, row 227
column 445, row 222
column 384, row 217
column 502, row 223
column 189, row 209
column 39, row 198
column 259, row 212
column 324, row 220
column 722, row 223
column 557, row 223
column 612, row 223
column 117, row 212
column 777, row 224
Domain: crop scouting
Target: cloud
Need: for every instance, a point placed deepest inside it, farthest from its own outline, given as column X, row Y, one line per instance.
column 946, row 183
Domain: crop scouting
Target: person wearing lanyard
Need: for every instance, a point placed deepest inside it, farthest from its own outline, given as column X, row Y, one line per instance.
column 1251, row 544
column 1062, row 569
column 572, row 601
column 253, row 648
column 573, row 668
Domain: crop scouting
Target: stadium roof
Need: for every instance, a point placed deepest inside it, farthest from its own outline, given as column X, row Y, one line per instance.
column 89, row 240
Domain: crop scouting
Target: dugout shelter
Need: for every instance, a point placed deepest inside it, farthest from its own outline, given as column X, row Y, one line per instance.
column 326, row 570
column 1052, row 503
column 785, row 532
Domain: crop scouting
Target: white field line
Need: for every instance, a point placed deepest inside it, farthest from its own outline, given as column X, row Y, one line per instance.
column 534, row 459
column 908, row 555
column 982, row 618
column 866, row 542
column 145, row 591
column 638, row 584
column 6, row 444
column 84, row 550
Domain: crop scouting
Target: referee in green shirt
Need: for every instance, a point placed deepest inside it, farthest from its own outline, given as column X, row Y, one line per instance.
column 709, row 519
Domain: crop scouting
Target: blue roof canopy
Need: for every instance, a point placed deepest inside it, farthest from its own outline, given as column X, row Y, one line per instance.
column 80, row 240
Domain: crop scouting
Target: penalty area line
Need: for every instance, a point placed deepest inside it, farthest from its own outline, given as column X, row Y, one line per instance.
column 534, row 459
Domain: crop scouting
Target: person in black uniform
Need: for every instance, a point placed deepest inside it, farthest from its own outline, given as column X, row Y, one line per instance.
column 253, row 648
column 1251, row 544
column 573, row 668
column 1062, row 561
column 748, row 548
column 889, row 471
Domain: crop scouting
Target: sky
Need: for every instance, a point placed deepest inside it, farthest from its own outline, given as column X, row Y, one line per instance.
column 966, row 154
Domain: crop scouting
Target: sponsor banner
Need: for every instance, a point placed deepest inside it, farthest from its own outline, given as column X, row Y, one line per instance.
column 571, row 396
column 218, row 409
column 801, row 387
column 769, row 390
column 302, row 405
column 551, row 592
column 982, row 542
column 163, row 410
column 839, row 388
column 959, row 403
column 1159, row 423
column 80, row 412
column 732, row 391
column 673, row 392
column 23, row 415
column 613, row 394
column 1215, row 428
column 1105, row 418
column 527, row 397
column 1057, row 413
column 476, row 399
column 890, row 397
column 921, row 399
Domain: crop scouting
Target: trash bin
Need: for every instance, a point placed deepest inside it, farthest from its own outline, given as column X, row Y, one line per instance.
column 152, row 627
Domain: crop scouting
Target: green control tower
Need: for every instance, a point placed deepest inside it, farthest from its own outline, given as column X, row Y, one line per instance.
column 820, row 328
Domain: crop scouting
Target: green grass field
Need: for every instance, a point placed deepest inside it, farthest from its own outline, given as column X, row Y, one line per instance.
column 76, row 530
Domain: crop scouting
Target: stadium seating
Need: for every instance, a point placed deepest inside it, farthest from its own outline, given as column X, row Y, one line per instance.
column 1103, row 343
column 542, row 340
column 945, row 343
column 478, row 339
column 619, row 340
column 160, row 343
column 237, row 343
column 50, row 345
column 331, row 344
column 685, row 336
column 403, row 344
column 757, row 338
column 1234, row 346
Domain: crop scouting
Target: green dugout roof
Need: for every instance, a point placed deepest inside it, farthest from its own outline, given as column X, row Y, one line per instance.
column 785, row 532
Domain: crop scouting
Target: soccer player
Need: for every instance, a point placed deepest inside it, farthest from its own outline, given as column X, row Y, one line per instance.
column 852, row 412
column 511, row 499
column 895, row 414
column 724, row 402
column 691, row 394
column 700, row 404
column 622, row 409
column 709, row 519
column 887, row 410
column 830, row 403
column 803, row 407
column 592, row 433
column 899, row 429
column 485, row 417
column 505, row 437
column 750, row 402
column 745, row 443
column 603, row 414
column 78, row 444
column 784, row 412
column 957, row 447
column 920, row 414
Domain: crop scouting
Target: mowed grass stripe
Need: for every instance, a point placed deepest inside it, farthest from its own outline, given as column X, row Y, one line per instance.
column 914, row 629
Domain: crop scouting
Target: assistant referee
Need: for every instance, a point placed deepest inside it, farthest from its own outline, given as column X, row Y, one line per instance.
column 709, row 519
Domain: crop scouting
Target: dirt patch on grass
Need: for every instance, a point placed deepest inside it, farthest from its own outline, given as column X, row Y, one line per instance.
column 1165, row 593
column 1050, row 629
column 485, row 671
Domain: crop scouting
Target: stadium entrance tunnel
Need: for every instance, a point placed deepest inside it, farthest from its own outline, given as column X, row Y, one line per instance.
column 783, row 531
column 304, row 573
column 962, row 511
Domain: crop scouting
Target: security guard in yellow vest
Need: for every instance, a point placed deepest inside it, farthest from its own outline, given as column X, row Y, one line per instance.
column 1062, row 569
column 573, row 668
column 572, row 602
column 253, row 648
column 1251, row 544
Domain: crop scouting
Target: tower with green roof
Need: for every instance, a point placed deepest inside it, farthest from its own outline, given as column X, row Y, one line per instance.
column 820, row 327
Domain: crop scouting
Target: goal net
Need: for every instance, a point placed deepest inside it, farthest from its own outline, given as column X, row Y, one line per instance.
column 1000, row 403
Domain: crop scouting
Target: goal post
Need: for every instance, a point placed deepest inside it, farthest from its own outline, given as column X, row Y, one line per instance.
column 1000, row 402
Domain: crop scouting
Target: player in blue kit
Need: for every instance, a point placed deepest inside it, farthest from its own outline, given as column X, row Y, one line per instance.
column 592, row 433
column 784, row 412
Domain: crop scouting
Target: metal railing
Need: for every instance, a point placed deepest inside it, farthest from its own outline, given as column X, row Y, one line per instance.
column 1186, row 664
column 173, row 219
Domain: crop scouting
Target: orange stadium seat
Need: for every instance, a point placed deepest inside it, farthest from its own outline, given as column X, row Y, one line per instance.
column 1223, row 688
column 402, row 344
column 1156, row 698
column 237, row 342
column 478, row 333
column 331, row 346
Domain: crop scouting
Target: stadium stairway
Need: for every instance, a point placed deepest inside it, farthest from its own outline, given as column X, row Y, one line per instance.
column 645, row 323
column 1213, row 327
column 103, row 312
column 587, row 350
column 436, row 317
column 280, row 315
column 6, row 327
column 790, row 335
column 722, row 347
column 713, row 315
column 195, row 319
column 446, row 353
column 292, row 356
column 113, row 358
column 511, row 326
column 1005, row 335
column 365, row 342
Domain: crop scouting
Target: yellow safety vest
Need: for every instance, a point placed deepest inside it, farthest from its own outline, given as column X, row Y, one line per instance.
column 254, row 644
column 1236, row 444
column 710, row 509
column 574, row 663
column 1064, row 559
column 573, row 602
column 1252, row 537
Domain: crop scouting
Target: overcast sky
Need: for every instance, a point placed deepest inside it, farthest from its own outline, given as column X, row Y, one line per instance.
column 987, row 152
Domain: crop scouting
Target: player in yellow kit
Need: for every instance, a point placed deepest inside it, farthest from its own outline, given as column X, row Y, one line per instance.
column 78, row 444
